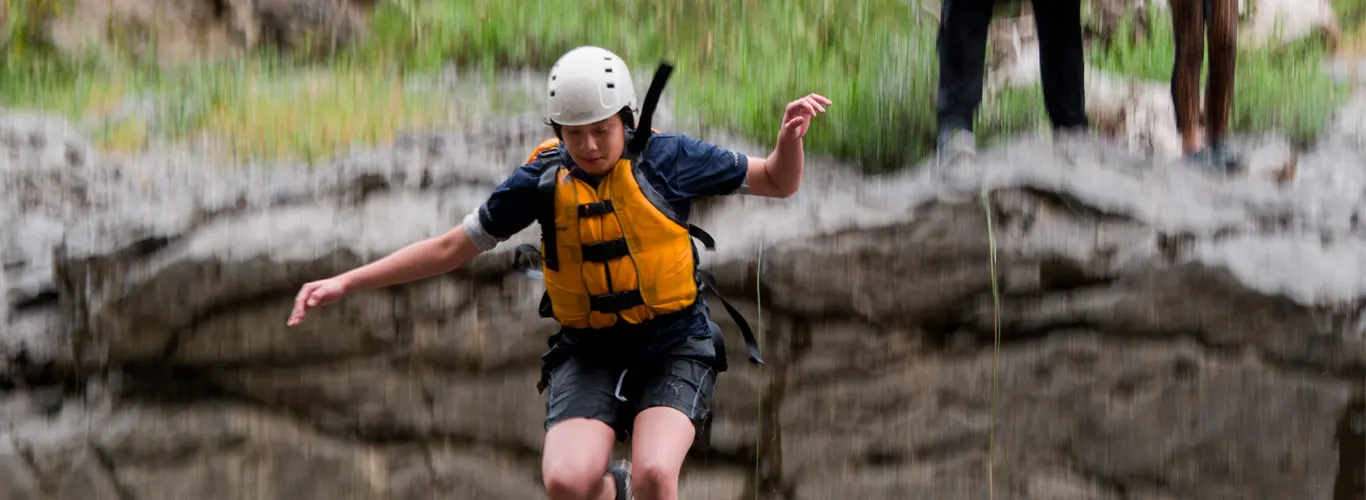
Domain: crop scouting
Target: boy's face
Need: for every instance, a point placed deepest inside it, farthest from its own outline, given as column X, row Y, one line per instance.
column 595, row 147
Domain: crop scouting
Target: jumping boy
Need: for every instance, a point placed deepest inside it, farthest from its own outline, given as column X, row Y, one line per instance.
column 636, row 354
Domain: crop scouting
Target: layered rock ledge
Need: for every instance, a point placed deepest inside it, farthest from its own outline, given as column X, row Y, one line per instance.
column 1163, row 334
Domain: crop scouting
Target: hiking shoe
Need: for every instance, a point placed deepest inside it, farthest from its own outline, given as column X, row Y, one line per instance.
column 955, row 145
column 1222, row 157
column 1216, row 159
column 621, row 474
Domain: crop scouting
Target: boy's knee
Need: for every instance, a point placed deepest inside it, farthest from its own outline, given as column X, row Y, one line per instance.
column 653, row 477
column 570, row 480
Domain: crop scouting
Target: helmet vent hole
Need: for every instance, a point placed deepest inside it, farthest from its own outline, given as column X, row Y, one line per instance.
column 553, row 77
column 552, row 93
column 611, row 85
column 609, row 70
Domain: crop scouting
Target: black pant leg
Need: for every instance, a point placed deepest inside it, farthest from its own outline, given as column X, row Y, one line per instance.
column 961, row 45
column 1062, row 62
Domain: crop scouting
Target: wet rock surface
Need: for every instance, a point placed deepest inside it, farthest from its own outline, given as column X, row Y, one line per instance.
column 1163, row 333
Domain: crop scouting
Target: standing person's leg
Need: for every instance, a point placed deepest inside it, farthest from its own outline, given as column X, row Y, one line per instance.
column 1223, row 60
column 961, row 46
column 1188, row 22
column 1062, row 63
column 581, row 410
column 1176, row 65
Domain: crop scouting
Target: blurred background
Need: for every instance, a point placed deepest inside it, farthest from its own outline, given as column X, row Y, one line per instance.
column 174, row 170
column 305, row 78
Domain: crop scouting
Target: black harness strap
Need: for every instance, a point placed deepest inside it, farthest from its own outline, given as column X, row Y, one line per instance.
column 708, row 282
column 706, row 239
column 525, row 257
column 647, row 110
column 605, row 251
column 616, row 302
column 546, row 210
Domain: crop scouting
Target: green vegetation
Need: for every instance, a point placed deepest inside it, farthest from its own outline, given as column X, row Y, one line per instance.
column 1277, row 86
column 1351, row 15
column 738, row 62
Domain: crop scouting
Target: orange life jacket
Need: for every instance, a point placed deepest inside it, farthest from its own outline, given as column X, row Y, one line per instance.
column 616, row 252
column 620, row 255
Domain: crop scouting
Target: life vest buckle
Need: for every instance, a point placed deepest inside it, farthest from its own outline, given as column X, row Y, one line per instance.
column 596, row 208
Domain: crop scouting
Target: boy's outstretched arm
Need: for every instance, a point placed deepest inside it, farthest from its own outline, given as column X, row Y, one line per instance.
column 430, row 257
column 509, row 209
column 437, row 255
column 780, row 174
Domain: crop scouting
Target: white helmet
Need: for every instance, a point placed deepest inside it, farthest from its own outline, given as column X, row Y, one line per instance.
column 588, row 84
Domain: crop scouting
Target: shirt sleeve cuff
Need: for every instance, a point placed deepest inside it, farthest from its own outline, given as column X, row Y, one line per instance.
column 742, row 163
column 475, row 231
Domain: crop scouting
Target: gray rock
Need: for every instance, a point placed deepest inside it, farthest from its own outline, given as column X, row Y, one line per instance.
column 215, row 449
column 1163, row 334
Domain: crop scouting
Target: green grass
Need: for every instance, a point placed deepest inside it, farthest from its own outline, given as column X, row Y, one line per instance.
column 737, row 63
column 251, row 108
column 1351, row 15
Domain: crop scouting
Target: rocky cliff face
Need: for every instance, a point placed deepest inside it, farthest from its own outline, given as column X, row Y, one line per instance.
column 1163, row 334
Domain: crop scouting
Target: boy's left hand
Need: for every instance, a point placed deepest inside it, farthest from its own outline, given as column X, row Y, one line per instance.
column 798, row 115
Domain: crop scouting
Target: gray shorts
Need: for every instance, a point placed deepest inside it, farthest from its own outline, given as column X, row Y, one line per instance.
column 682, row 377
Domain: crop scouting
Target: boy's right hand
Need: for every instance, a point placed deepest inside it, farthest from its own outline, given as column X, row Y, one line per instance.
column 314, row 294
column 798, row 115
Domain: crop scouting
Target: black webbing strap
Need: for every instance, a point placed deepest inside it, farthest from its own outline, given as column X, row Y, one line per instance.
column 596, row 208
column 615, row 302
column 647, row 109
column 606, row 250
column 708, row 281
